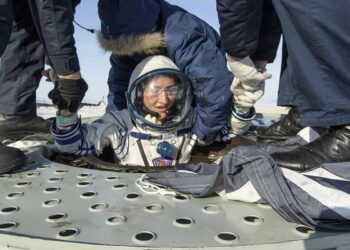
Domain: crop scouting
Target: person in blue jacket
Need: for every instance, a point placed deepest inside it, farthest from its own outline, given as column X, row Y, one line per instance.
column 135, row 29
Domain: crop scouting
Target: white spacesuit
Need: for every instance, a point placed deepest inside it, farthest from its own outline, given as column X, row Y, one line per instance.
column 155, row 130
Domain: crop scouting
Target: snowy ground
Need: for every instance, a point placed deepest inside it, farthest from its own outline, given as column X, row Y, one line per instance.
column 92, row 111
column 87, row 111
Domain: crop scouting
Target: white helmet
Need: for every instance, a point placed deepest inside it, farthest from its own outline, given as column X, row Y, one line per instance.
column 159, row 95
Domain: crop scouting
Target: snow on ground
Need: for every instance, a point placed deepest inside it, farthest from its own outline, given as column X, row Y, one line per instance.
column 95, row 111
column 87, row 111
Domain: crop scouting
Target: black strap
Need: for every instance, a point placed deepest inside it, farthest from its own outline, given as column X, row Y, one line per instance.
column 142, row 152
column 179, row 150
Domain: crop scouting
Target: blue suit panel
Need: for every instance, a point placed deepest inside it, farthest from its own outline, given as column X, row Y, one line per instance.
column 316, row 77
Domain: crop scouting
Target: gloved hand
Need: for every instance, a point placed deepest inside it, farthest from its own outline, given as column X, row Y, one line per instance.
column 243, row 97
column 68, row 94
column 248, row 74
column 249, row 82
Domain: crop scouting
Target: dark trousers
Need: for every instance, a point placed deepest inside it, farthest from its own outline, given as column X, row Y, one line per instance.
column 316, row 76
column 21, row 64
column 6, row 16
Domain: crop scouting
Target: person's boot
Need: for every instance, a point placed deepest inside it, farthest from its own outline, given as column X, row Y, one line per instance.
column 287, row 127
column 17, row 127
column 333, row 146
column 10, row 158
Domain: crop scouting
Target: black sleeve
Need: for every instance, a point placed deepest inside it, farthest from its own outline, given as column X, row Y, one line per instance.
column 240, row 22
column 249, row 28
column 54, row 22
column 270, row 34
column 6, row 15
column 118, row 79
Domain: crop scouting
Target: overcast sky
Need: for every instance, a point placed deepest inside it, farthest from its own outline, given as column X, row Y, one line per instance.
column 94, row 62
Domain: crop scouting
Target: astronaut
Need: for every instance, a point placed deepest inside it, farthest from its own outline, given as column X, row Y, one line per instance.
column 154, row 130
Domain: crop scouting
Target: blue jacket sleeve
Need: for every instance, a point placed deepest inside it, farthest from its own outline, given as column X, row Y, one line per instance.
column 54, row 22
column 270, row 34
column 249, row 28
column 199, row 56
column 118, row 79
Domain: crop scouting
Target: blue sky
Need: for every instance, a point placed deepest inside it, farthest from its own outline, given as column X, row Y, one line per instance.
column 94, row 62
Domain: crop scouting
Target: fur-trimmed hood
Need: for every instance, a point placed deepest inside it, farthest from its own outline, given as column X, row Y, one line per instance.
column 131, row 27
column 128, row 45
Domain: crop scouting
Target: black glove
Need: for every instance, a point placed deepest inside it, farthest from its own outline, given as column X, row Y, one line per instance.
column 68, row 94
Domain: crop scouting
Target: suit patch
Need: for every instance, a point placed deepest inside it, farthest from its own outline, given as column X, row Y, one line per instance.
column 162, row 162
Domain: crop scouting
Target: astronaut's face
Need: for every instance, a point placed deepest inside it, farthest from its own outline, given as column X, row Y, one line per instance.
column 159, row 96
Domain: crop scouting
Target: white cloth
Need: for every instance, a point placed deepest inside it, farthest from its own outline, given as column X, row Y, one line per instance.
column 243, row 97
column 239, row 127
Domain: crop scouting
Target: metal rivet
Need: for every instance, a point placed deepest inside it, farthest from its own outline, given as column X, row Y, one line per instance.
column 84, row 175
column 51, row 203
column 84, row 183
column 8, row 210
column 181, row 197
column 144, row 237
column 23, row 184
column 56, row 217
column 55, row 179
column 211, row 209
column 61, row 171
column 183, row 222
column 112, row 178
column 8, row 225
column 119, row 186
column 226, row 238
column 51, row 190
column 15, row 195
column 89, row 194
column 253, row 220
column 304, row 231
column 116, row 220
column 155, row 208
column 68, row 233
column 33, row 174
column 99, row 207
column 132, row 196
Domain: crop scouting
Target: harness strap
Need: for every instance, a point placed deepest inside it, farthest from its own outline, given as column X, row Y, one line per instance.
column 179, row 151
column 142, row 152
